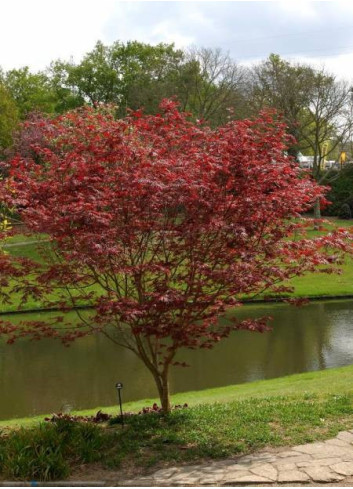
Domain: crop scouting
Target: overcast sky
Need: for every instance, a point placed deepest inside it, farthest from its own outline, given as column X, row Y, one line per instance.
column 34, row 32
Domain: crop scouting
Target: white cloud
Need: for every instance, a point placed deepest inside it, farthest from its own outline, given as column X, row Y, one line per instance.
column 341, row 66
column 166, row 32
column 37, row 31
column 301, row 9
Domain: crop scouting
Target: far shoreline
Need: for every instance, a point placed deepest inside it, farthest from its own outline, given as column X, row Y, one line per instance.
column 245, row 302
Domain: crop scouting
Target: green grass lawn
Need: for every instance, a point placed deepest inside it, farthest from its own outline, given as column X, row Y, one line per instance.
column 218, row 423
column 318, row 284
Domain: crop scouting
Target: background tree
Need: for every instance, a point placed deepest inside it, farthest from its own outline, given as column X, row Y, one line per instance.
column 326, row 122
column 31, row 91
column 316, row 107
column 206, row 81
column 9, row 118
column 93, row 80
column 161, row 225
column 213, row 83
column 67, row 94
column 341, row 193
column 149, row 73
column 129, row 75
column 275, row 83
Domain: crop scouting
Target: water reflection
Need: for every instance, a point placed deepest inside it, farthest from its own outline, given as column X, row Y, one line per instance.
column 38, row 377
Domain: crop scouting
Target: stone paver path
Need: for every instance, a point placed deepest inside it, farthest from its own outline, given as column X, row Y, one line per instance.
column 330, row 461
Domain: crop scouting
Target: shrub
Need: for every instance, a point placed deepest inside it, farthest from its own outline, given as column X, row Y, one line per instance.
column 34, row 454
column 46, row 451
column 345, row 212
column 341, row 191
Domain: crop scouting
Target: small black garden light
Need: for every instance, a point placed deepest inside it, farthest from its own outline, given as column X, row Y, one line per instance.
column 119, row 387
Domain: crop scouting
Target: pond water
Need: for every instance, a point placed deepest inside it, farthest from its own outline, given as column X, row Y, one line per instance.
column 43, row 377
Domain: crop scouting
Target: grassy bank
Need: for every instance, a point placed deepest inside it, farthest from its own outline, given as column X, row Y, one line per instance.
column 321, row 383
column 218, row 423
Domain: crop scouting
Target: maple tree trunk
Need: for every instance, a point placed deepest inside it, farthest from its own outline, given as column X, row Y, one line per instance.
column 317, row 213
column 162, row 383
column 317, row 210
column 164, row 396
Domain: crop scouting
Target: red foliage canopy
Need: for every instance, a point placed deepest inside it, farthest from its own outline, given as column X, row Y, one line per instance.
column 161, row 225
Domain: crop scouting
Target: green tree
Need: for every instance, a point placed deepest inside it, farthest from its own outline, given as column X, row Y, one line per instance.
column 341, row 192
column 133, row 75
column 149, row 73
column 8, row 118
column 129, row 75
column 275, row 83
column 67, row 95
column 93, row 80
column 31, row 91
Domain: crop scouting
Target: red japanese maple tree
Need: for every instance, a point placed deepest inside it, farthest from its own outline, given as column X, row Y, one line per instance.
column 161, row 225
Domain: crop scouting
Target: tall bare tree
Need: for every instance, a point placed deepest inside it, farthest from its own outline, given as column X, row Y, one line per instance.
column 215, row 83
column 275, row 83
column 316, row 107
